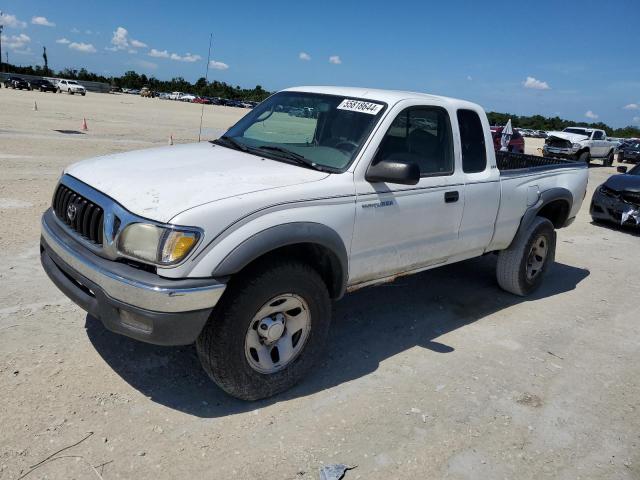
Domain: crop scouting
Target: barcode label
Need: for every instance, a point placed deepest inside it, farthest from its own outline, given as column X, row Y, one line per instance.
column 360, row 106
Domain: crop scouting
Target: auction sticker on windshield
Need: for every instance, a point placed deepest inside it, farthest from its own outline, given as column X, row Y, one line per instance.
column 360, row 106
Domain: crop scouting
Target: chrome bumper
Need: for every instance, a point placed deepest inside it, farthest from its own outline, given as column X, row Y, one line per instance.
column 125, row 284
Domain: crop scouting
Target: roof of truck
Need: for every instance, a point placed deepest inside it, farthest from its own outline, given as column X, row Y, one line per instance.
column 388, row 96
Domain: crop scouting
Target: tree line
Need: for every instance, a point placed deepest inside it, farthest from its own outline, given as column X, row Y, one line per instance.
column 215, row 88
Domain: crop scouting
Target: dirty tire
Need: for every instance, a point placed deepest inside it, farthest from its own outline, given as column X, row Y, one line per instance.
column 511, row 270
column 585, row 157
column 221, row 344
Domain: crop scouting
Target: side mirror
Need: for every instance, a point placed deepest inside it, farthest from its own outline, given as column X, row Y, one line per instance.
column 622, row 169
column 393, row 171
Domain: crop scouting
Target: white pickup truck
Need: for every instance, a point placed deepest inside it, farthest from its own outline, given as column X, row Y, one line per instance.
column 582, row 144
column 240, row 244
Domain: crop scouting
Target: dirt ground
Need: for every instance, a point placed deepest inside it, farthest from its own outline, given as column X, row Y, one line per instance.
column 441, row 375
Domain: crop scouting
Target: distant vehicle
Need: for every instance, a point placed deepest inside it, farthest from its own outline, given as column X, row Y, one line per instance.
column 146, row 92
column 202, row 100
column 618, row 199
column 134, row 91
column 187, row 97
column 175, row 95
column 580, row 143
column 71, row 87
column 42, row 85
column 539, row 134
column 629, row 152
column 16, row 83
column 516, row 144
column 115, row 89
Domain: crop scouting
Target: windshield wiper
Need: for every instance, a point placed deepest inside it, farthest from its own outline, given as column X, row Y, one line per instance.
column 227, row 141
column 289, row 155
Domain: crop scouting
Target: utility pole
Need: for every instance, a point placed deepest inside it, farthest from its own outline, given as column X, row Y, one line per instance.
column 1, row 26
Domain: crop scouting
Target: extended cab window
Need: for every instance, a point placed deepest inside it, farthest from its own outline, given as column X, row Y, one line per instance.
column 421, row 135
column 598, row 136
column 474, row 151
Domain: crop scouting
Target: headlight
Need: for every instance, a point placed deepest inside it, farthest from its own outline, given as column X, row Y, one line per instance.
column 576, row 146
column 151, row 243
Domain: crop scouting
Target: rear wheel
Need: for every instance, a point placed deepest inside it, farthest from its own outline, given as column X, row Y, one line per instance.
column 267, row 331
column 609, row 160
column 522, row 266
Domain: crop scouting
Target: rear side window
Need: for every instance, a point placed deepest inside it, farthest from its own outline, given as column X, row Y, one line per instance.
column 474, row 152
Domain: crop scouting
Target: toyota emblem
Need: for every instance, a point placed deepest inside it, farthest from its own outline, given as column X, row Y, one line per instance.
column 71, row 212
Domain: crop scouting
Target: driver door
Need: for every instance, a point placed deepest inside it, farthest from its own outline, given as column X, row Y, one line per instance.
column 400, row 228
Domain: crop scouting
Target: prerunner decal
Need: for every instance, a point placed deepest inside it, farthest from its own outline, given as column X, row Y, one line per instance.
column 360, row 106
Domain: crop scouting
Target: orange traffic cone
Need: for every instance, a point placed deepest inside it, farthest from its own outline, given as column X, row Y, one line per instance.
column 171, row 139
column 35, row 106
column 84, row 124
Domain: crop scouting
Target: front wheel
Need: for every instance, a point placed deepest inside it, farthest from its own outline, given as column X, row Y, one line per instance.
column 268, row 330
column 585, row 157
column 522, row 266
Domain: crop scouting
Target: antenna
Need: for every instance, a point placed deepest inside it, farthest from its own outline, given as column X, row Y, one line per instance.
column 206, row 79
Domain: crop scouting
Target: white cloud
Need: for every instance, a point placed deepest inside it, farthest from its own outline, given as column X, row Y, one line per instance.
column 631, row 106
column 469, row 77
column 82, row 47
column 16, row 42
column 158, row 53
column 218, row 65
column 335, row 59
column 636, row 119
column 75, row 30
column 591, row 115
column 535, row 84
column 42, row 21
column 11, row 21
column 121, row 41
column 304, row 56
column 187, row 57
column 138, row 44
column 88, row 32
column 131, row 50
column 63, row 41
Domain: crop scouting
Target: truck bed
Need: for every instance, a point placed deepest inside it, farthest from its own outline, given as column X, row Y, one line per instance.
column 509, row 161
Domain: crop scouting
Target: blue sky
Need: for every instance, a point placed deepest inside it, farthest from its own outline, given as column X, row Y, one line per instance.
column 568, row 58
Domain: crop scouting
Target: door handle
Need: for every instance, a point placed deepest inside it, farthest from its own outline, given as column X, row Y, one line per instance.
column 451, row 197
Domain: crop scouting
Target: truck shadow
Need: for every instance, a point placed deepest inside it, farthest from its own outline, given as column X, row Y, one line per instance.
column 369, row 326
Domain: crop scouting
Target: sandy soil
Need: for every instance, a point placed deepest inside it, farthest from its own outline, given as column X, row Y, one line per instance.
column 441, row 375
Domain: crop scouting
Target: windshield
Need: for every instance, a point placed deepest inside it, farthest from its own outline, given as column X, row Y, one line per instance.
column 72, row 82
column 321, row 131
column 579, row 131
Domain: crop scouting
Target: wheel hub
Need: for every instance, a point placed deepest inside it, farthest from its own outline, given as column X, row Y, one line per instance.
column 272, row 328
column 277, row 333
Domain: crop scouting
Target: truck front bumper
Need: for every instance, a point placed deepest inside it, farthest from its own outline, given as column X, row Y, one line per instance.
column 548, row 151
column 128, row 300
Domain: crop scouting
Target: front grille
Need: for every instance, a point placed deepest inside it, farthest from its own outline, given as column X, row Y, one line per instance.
column 557, row 142
column 80, row 214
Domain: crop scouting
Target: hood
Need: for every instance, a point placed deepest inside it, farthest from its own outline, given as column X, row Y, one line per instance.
column 572, row 137
column 619, row 183
column 159, row 183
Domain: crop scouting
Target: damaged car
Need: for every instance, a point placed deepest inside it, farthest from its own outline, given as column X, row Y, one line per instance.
column 618, row 199
column 579, row 143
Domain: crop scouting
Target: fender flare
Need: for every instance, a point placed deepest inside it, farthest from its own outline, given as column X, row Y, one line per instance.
column 546, row 197
column 284, row 235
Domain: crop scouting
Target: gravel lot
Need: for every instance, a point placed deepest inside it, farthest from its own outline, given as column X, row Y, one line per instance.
column 440, row 375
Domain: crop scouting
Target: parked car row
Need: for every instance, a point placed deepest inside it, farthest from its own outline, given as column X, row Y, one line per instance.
column 44, row 85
